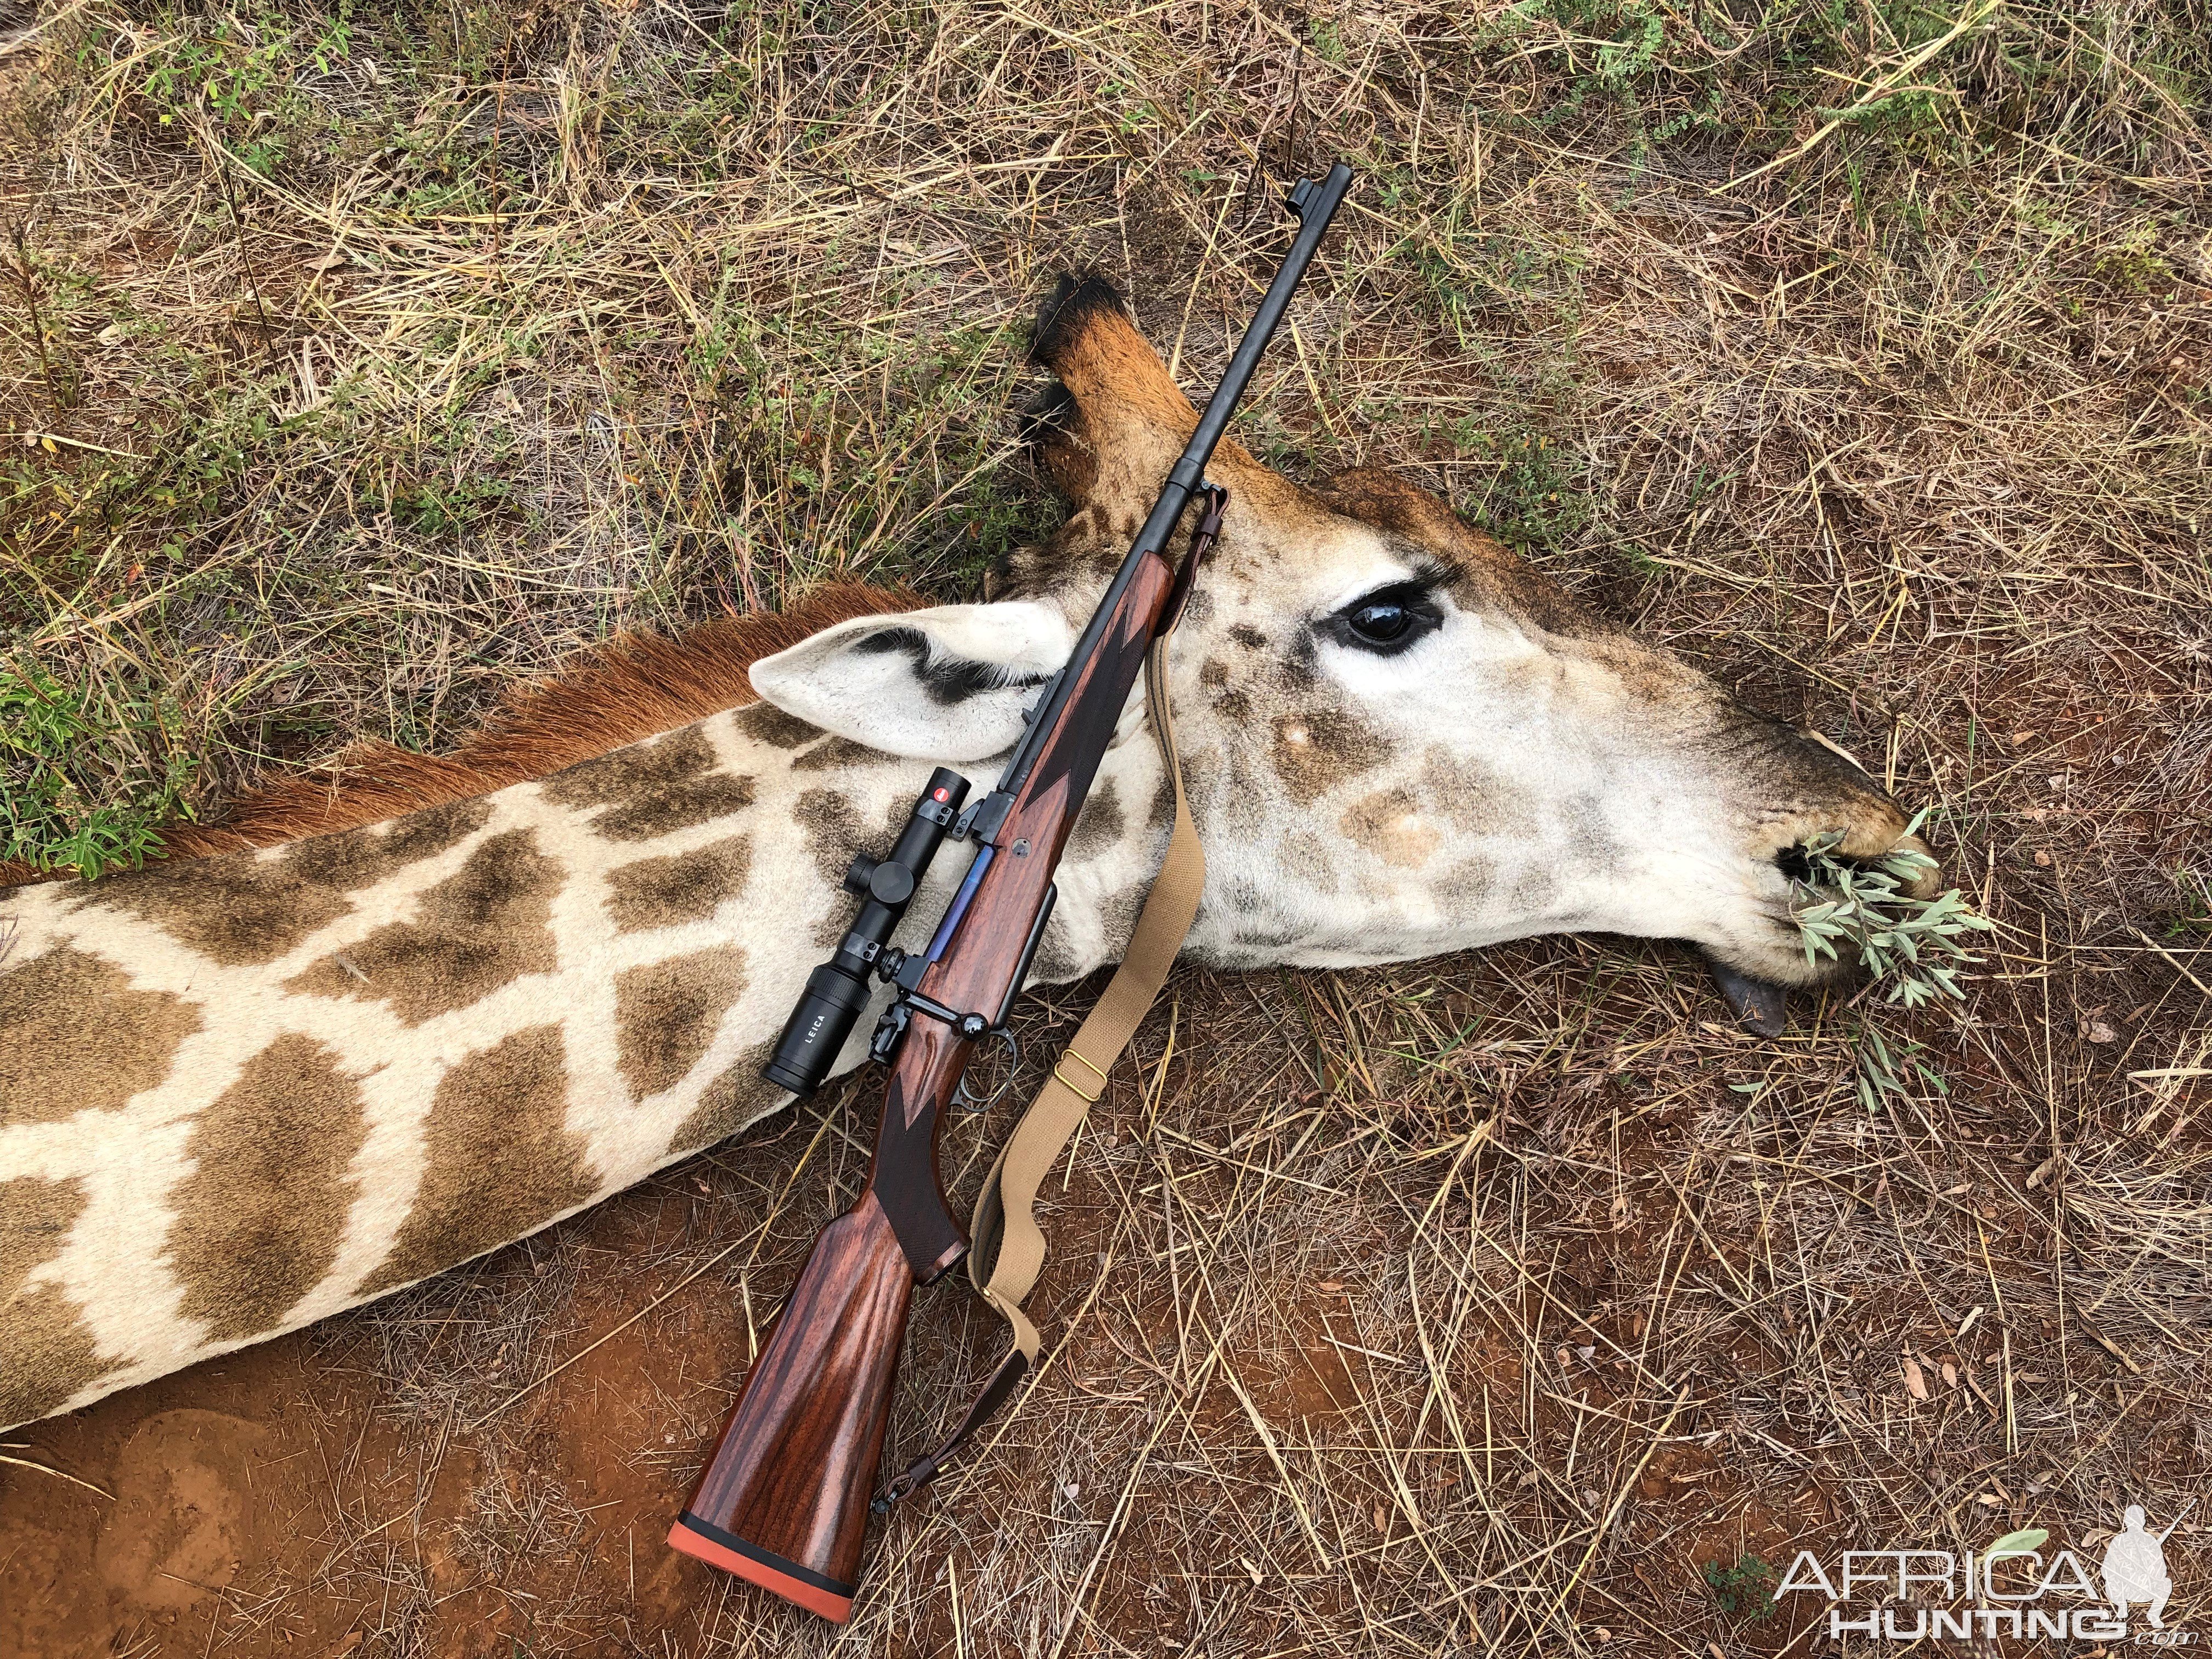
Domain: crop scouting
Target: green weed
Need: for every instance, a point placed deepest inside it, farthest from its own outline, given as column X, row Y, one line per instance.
column 452, row 509
column 1745, row 1590
column 243, row 78
column 1882, row 1075
column 87, row 774
column 1913, row 947
column 1536, row 498
column 2195, row 915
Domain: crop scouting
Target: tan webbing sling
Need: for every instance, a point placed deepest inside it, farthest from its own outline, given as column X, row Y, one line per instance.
column 1005, row 1234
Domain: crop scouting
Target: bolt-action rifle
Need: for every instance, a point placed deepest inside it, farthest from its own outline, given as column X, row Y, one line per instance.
column 784, row 1500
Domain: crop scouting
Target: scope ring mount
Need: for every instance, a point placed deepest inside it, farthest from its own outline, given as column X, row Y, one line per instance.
column 904, row 969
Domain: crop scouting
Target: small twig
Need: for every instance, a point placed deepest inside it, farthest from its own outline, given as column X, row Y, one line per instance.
column 498, row 175
column 74, row 443
column 2173, row 961
column 217, row 153
column 18, row 233
column 47, row 1468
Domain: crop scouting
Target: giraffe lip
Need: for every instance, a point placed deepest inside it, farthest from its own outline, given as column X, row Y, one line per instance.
column 1759, row 1006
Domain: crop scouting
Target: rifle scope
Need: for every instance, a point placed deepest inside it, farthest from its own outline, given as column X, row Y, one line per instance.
column 838, row 991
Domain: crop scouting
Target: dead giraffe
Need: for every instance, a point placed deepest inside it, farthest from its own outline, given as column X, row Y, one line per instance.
column 373, row 1028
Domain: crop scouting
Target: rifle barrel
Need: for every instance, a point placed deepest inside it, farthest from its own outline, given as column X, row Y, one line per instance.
column 1317, row 205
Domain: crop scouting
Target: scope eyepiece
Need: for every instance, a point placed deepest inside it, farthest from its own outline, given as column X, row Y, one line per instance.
column 838, row 991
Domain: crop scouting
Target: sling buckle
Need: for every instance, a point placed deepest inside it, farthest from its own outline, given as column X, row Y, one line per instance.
column 1068, row 1083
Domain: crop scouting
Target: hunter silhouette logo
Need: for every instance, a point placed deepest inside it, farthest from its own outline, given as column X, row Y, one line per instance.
column 2135, row 1568
column 2011, row 1588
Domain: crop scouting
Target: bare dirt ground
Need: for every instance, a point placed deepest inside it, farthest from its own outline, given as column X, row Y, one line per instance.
column 358, row 364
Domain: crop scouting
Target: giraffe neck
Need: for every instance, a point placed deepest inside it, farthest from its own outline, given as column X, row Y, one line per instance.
column 243, row 1092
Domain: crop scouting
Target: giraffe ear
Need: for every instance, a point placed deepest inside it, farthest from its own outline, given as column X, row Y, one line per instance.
column 947, row 684
column 1114, row 420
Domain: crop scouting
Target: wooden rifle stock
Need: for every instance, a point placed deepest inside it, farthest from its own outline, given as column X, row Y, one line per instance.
column 783, row 1500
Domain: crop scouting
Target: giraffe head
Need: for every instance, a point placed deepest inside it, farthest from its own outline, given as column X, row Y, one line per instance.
column 1401, row 739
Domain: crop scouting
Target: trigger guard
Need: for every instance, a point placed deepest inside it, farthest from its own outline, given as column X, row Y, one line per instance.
column 965, row 1099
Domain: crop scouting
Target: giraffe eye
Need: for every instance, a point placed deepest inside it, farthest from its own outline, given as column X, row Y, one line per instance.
column 1387, row 621
column 1380, row 623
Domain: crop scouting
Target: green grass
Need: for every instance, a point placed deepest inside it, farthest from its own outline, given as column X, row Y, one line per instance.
column 90, row 776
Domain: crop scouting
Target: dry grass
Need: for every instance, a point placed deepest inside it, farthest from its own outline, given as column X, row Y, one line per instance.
column 1470, row 1306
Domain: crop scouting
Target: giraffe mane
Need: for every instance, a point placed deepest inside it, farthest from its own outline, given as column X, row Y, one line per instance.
column 628, row 688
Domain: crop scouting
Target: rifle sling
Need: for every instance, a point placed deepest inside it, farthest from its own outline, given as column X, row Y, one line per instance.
column 1004, row 1232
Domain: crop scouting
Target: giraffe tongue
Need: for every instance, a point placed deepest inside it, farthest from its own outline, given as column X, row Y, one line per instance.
column 1758, row 1006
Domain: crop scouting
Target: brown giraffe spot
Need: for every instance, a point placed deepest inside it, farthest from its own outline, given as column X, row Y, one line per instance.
column 666, row 1013
column 483, row 925
column 53, row 1065
column 731, row 1102
column 1536, row 890
column 1308, row 860
column 499, row 1161
column 1297, row 672
column 1390, row 825
column 768, row 724
column 1160, row 814
column 1316, row 752
column 1469, row 883
column 47, row 1351
column 652, row 788
column 241, row 908
column 666, row 892
column 836, row 755
column 260, row 1218
column 1474, row 796
column 834, row 831
column 1098, row 826
column 1056, row 957
column 1118, row 914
